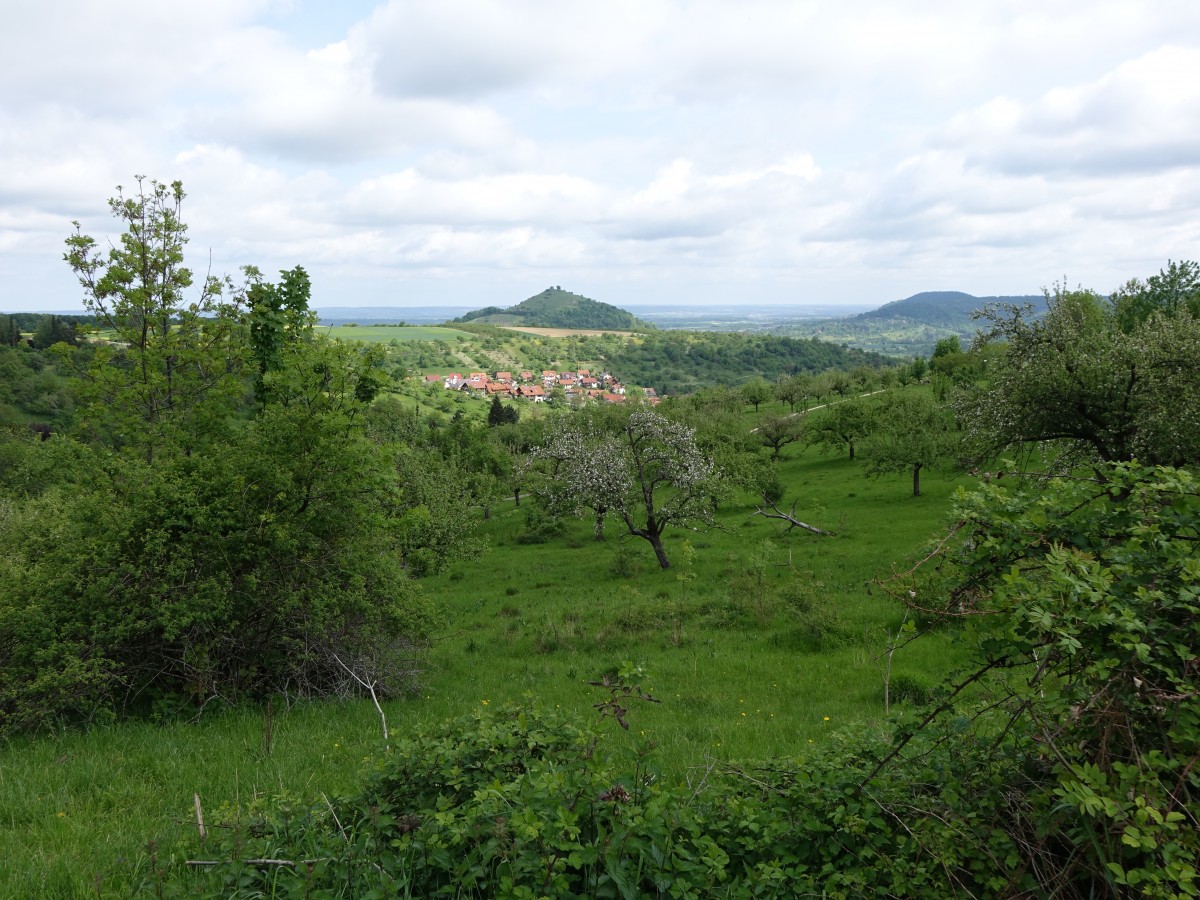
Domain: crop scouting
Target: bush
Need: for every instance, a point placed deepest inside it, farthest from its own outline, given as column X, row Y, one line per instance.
column 540, row 526
column 913, row 689
column 266, row 567
column 522, row 802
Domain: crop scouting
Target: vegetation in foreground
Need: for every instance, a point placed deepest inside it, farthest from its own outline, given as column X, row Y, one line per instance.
column 1059, row 761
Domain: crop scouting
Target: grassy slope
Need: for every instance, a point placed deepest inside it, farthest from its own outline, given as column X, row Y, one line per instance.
column 376, row 334
column 736, row 676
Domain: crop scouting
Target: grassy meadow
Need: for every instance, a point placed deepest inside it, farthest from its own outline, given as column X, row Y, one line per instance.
column 739, row 673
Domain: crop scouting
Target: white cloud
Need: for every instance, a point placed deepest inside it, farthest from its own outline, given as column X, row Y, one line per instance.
column 817, row 152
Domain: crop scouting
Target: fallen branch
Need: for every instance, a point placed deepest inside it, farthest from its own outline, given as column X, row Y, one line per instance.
column 789, row 517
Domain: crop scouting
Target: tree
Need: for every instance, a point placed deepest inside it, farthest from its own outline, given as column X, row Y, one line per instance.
column 791, row 390
column 777, row 432
column 165, row 381
column 912, row 432
column 840, row 383
column 842, row 424
column 499, row 414
column 1093, row 379
column 53, row 330
column 278, row 315
column 643, row 468
column 235, row 572
column 232, row 555
column 10, row 333
column 1173, row 290
column 756, row 392
column 947, row 346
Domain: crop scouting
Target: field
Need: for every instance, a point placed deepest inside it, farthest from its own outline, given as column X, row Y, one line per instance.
column 740, row 673
column 560, row 332
column 382, row 334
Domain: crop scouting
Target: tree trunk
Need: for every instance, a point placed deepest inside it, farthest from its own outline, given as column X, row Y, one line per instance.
column 656, row 542
column 917, row 480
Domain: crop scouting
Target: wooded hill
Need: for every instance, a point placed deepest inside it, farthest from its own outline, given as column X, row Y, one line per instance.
column 945, row 309
column 556, row 308
column 914, row 325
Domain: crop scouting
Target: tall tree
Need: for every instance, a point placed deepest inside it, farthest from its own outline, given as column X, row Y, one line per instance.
column 278, row 315
column 53, row 330
column 167, row 376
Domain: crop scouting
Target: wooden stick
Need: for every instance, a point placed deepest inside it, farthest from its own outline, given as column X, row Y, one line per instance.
column 200, row 818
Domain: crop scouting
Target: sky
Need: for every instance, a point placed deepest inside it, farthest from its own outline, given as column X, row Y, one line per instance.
column 691, row 152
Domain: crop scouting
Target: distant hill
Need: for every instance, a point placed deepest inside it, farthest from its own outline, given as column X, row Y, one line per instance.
column 912, row 326
column 946, row 309
column 556, row 308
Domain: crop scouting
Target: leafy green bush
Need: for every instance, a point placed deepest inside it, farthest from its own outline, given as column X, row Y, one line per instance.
column 522, row 803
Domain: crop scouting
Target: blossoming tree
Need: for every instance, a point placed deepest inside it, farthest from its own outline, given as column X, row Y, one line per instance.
column 639, row 466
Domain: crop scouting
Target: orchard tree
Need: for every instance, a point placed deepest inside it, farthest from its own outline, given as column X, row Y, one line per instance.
column 647, row 470
column 912, row 431
column 1106, row 380
column 777, row 432
column 792, row 389
column 756, row 392
column 842, row 424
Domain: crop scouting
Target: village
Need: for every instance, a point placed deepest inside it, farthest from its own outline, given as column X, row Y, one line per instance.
column 575, row 387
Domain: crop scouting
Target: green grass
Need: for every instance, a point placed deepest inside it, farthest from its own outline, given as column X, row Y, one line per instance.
column 737, row 673
column 382, row 334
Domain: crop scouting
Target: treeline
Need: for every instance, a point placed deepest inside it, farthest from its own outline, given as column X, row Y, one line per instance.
column 46, row 329
column 677, row 362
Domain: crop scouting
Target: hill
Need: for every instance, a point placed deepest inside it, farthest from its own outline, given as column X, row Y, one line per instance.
column 945, row 309
column 912, row 326
column 556, row 308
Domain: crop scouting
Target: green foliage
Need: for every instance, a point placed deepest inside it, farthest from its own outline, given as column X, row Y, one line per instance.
column 1103, row 380
column 1089, row 597
column 522, row 802
column 54, row 330
column 278, row 314
column 676, row 362
column 756, row 392
column 211, row 576
column 165, row 382
column 556, row 308
column 499, row 414
column 1172, row 291
column 777, row 432
column 842, row 425
column 911, row 431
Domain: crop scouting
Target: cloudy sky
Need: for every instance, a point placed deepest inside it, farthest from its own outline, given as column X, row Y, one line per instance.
column 471, row 152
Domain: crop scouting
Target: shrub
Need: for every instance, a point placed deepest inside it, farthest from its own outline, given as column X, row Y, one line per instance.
column 906, row 688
